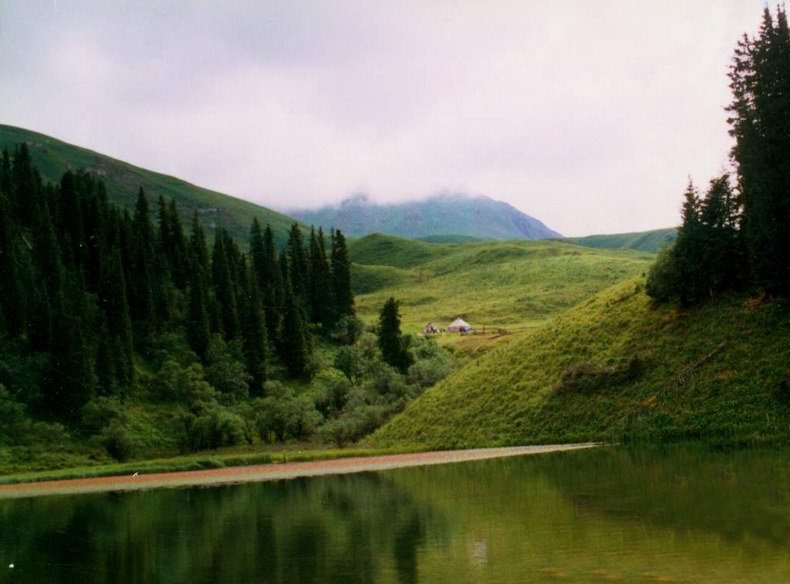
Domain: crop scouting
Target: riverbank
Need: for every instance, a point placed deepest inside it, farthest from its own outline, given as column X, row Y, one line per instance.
column 268, row 472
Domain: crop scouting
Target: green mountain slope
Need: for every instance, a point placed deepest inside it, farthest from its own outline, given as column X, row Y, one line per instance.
column 442, row 215
column 508, row 284
column 617, row 368
column 53, row 157
column 651, row 241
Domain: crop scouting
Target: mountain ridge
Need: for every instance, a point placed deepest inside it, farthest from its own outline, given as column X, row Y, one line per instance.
column 53, row 157
column 443, row 214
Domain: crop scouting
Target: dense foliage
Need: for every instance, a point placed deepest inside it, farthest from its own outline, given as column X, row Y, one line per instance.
column 114, row 324
column 728, row 240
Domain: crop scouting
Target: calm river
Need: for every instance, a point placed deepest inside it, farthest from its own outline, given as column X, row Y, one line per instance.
column 587, row 516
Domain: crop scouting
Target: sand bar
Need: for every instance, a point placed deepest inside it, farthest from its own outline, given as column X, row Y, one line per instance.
column 269, row 472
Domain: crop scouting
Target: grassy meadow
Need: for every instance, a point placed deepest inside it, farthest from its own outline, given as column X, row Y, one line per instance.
column 618, row 368
column 651, row 241
column 512, row 285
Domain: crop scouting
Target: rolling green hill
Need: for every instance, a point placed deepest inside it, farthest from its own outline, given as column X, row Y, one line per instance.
column 651, row 241
column 53, row 157
column 501, row 284
column 447, row 215
column 616, row 367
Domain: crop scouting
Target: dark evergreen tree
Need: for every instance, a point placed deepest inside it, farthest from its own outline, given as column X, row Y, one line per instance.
column 224, row 288
column 69, row 380
column 253, row 329
column 113, row 301
column 198, row 249
column 760, row 124
column 723, row 261
column 46, row 295
column 391, row 342
column 321, row 290
column 141, row 283
column 273, row 294
column 71, row 216
column 198, row 334
column 295, row 347
column 298, row 266
column 341, row 276
column 177, row 255
column 26, row 192
column 13, row 305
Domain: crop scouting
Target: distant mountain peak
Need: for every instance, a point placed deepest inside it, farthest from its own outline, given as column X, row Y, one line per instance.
column 445, row 213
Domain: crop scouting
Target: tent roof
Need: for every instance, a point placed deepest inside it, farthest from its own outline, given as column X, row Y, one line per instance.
column 460, row 322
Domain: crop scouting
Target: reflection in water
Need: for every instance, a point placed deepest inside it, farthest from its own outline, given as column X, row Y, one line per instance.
column 336, row 529
column 632, row 516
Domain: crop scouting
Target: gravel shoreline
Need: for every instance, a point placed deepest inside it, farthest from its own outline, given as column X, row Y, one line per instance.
column 269, row 472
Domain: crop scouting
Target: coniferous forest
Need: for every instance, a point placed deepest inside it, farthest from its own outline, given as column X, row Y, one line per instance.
column 738, row 236
column 125, row 334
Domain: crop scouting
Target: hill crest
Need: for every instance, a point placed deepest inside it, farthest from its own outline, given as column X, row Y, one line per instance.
column 444, row 214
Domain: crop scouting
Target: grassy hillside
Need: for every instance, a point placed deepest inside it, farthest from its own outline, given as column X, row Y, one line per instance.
column 53, row 157
column 513, row 284
column 651, row 241
column 617, row 368
column 447, row 215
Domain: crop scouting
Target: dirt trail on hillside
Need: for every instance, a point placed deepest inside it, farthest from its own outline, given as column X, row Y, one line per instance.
column 269, row 472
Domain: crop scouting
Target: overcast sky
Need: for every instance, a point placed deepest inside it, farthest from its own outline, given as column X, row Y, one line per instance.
column 587, row 115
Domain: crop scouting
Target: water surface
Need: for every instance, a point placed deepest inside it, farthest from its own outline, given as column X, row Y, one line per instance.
column 602, row 515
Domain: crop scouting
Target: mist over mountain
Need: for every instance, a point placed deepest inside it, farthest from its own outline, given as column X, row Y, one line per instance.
column 443, row 214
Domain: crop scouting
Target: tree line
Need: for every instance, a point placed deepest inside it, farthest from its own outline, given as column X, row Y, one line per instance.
column 737, row 236
column 87, row 288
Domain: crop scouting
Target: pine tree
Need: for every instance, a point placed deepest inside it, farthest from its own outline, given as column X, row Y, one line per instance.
column 341, row 276
column 113, row 301
column 298, row 267
column 273, row 296
column 198, row 334
column 254, row 336
column 141, row 284
column 69, row 382
column 13, row 307
column 224, row 289
column 320, row 289
column 295, row 347
column 391, row 342
column 723, row 258
column 26, row 192
column 177, row 253
column 760, row 124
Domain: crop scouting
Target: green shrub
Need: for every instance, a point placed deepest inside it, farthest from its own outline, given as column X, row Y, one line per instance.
column 118, row 441
column 217, row 427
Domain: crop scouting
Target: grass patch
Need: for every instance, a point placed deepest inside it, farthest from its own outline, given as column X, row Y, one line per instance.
column 716, row 374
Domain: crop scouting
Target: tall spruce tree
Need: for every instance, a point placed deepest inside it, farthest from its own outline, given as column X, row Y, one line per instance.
column 295, row 346
column 391, row 342
column 224, row 285
column 113, row 301
column 253, row 331
column 341, row 276
column 298, row 267
column 273, row 295
column 760, row 124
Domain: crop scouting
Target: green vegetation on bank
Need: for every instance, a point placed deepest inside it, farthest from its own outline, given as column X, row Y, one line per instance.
column 222, row 458
column 618, row 368
column 123, row 338
column 53, row 158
